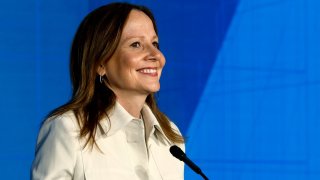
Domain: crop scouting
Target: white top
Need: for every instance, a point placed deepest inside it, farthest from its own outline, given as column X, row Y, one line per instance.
column 131, row 148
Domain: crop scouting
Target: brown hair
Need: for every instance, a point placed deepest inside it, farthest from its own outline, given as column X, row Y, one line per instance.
column 95, row 41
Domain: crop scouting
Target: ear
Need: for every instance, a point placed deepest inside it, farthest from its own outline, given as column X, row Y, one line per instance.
column 101, row 70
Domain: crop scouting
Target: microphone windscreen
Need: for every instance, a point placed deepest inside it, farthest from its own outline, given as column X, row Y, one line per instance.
column 177, row 152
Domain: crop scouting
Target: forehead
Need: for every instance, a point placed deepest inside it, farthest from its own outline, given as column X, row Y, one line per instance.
column 138, row 22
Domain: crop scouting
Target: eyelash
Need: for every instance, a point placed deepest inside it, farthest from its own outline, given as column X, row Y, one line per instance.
column 137, row 44
column 156, row 44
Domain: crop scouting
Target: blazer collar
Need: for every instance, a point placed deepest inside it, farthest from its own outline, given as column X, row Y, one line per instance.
column 152, row 124
column 118, row 118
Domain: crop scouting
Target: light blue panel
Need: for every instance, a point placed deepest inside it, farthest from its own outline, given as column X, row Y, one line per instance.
column 258, row 117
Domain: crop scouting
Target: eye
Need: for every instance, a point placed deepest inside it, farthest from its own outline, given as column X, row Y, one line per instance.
column 156, row 44
column 135, row 44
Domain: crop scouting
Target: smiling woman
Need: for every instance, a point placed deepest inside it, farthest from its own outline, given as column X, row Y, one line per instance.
column 134, row 70
column 111, row 127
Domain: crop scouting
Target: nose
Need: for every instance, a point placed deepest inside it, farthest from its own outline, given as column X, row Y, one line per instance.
column 154, row 53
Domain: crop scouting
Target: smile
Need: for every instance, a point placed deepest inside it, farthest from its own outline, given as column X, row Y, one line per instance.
column 149, row 71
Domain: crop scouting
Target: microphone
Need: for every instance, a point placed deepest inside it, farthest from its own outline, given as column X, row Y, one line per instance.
column 179, row 154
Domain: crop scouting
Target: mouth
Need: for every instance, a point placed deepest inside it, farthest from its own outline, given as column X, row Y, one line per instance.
column 151, row 71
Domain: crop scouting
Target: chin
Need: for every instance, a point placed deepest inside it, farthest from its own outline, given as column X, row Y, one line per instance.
column 154, row 89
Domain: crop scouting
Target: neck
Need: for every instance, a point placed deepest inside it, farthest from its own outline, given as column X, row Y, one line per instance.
column 132, row 104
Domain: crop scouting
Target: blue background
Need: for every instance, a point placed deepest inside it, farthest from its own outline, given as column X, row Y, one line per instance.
column 241, row 81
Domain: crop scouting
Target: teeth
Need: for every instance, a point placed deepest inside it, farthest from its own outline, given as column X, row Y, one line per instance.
column 148, row 71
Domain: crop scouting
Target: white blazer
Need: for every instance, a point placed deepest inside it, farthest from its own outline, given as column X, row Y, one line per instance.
column 60, row 153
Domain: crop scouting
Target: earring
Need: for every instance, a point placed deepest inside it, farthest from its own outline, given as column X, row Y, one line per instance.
column 101, row 79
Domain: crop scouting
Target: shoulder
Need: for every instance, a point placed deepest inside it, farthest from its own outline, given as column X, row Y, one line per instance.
column 62, row 118
column 174, row 126
column 57, row 148
column 62, row 126
column 176, row 129
column 66, row 121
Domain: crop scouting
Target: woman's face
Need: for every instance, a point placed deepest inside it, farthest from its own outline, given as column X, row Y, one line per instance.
column 135, row 67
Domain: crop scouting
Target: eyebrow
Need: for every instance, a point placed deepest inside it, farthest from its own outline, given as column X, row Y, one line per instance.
column 140, row 37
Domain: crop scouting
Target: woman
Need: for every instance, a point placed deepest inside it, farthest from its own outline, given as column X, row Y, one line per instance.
column 111, row 128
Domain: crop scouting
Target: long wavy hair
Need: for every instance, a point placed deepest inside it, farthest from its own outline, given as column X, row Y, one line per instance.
column 95, row 42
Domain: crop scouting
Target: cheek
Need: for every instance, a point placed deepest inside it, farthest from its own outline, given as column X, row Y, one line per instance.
column 162, row 64
column 125, row 61
column 117, row 68
column 162, row 61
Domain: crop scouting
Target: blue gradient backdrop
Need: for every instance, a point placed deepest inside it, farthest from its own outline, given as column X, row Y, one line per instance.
column 242, row 81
